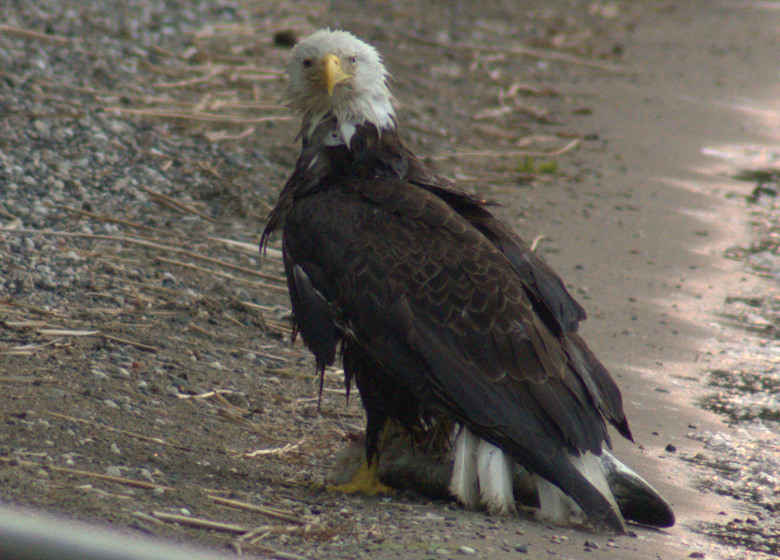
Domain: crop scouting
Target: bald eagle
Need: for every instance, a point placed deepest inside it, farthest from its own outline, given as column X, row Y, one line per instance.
column 443, row 316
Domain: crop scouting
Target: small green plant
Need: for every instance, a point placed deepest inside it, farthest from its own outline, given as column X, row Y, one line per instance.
column 529, row 165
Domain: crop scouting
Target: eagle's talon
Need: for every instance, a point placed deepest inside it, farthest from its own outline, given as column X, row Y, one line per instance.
column 365, row 481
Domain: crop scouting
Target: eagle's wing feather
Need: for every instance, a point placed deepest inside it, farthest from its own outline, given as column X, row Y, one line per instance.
column 545, row 288
column 314, row 314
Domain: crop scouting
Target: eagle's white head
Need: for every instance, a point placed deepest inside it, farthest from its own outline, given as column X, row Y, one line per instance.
column 333, row 73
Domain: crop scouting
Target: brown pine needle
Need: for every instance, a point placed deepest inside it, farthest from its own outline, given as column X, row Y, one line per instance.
column 27, row 306
column 24, row 379
column 65, row 332
column 139, row 345
column 21, row 325
column 276, row 513
column 275, row 451
column 155, row 440
column 198, row 329
column 151, row 245
column 249, row 248
column 148, row 518
column 536, row 241
column 27, row 349
column 88, row 474
column 224, row 264
column 277, row 553
column 160, row 198
column 222, row 135
column 27, row 34
column 203, row 117
column 200, row 523
column 261, row 285
column 515, row 49
column 109, row 219
column 193, row 81
column 517, row 153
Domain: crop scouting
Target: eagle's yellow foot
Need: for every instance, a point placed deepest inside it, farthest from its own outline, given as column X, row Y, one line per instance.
column 365, row 481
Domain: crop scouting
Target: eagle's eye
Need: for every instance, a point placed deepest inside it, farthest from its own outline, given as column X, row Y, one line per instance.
column 352, row 59
column 307, row 63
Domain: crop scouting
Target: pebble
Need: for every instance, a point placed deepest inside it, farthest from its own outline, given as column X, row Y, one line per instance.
column 111, row 404
column 145, row 473
column 43, row 128
column 463, row 549
column 310, row 411
column 238, row 399
column 559, row 538
column 172, row 390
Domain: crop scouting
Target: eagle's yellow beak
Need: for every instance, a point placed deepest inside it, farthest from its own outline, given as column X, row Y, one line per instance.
column 332, row 73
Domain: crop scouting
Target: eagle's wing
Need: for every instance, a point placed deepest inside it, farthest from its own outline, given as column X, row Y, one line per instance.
column 443, row 312
column 544, row 287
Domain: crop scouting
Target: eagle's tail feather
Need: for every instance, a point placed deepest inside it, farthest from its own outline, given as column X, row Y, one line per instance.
column 495, row 470
column 464, row 484
column 559, row 508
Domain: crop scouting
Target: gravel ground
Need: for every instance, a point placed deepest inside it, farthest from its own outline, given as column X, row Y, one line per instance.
column 144, row 344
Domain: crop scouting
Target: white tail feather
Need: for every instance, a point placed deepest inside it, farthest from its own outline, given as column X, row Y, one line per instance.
column 494, row 468
column 464, row 483
column 555, row 506
column 590, row 466
column 559, row 508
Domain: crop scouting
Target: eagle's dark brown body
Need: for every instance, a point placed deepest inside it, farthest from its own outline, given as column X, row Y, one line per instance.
column 441, row 309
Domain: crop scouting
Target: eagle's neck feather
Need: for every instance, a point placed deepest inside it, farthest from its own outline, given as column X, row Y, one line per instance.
column 352, row 113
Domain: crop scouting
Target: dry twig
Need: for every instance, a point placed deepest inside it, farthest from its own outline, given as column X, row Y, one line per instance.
column 203, row 117
column 262, row 285
column 200, row 523
column 519, row 153
column 275, row 451
column 88, row 474
column 155, row 440
column 276, row 513
column 27, row 34
column 26, row 379
column 149, row 244
column 513, row 49
column 139, row 345
column 176, row 204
